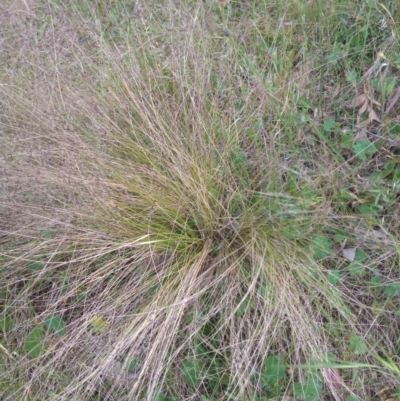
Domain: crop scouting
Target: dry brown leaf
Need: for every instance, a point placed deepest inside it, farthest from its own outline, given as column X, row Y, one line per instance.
column 361, row 133
column 392, row 101
column 373, row 116
column 371, row 98
column 336, row 91
column 357, row 102
column 362, row 126
column 363, row 109
column 383, row 390
column 375, row 102
column 377, row 65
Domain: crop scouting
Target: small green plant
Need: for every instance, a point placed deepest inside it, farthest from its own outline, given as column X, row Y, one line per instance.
column 273, row 375
column 309, row 390
column 34, row 343
column 56, row 324
column 364, row 149
column 192, row 372
column 358, row 345
column 322, row 247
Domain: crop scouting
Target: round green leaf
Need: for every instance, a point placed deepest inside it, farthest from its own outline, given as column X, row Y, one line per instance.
column 34, row 343
column 191, row 372
column 360, row 255
column 364, row 149
column 328, row 125
column 273, row 372
column 310, row 390
column 322, row 247
column 346, row 141
column 356, row 269
column 6, row 323
column 334, row 276
column 358, row 345
column 351, row 76
column 132, row 365
column 392, row 290
column 375, row 282
column 56, row 324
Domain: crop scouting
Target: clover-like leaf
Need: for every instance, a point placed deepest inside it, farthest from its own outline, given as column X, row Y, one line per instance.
column 364, row 149
column 392, row 290
column 56, row 324
column 357, row 269
column 273, row 372
column 334, row 276
column 322, row 247
column 358, row 345
column 191, row 371
column 34, row 343
column 309, row 390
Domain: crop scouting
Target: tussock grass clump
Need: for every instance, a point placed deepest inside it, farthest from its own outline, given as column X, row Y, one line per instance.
column 173, row 215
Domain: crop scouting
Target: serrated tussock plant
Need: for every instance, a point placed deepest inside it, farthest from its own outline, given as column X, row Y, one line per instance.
column 154, row 218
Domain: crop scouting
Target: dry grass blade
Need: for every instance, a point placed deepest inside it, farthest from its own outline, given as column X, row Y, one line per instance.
column 392, row 101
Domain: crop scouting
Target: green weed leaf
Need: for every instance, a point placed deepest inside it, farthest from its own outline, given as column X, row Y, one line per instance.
column 334, row 56
column 34, row 343
column 334, row 276
column 310, row 390
column 394, row 130
column 322, row 247
column 328, row 125
column 56, row 324
column 392, row 290
column 244, row 304
column 356, row 269
column 390, row 84
column 305, row 104
column 364, row 149
column 273, row 372
column 159, row 396
column 375, row 282
column 215, row 248
column 6, row 323
column 367, row 210
column 132, row 365
column 352, row 397
column 191, row 372
column 358, row 345
column 215, row 193
column 360, row 255
column 351, row 76
column 346, row 141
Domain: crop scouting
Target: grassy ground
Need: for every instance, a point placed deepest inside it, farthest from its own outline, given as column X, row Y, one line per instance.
column 199, row 200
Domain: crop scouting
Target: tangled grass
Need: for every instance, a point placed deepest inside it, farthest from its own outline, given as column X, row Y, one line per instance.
column 169, row 206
